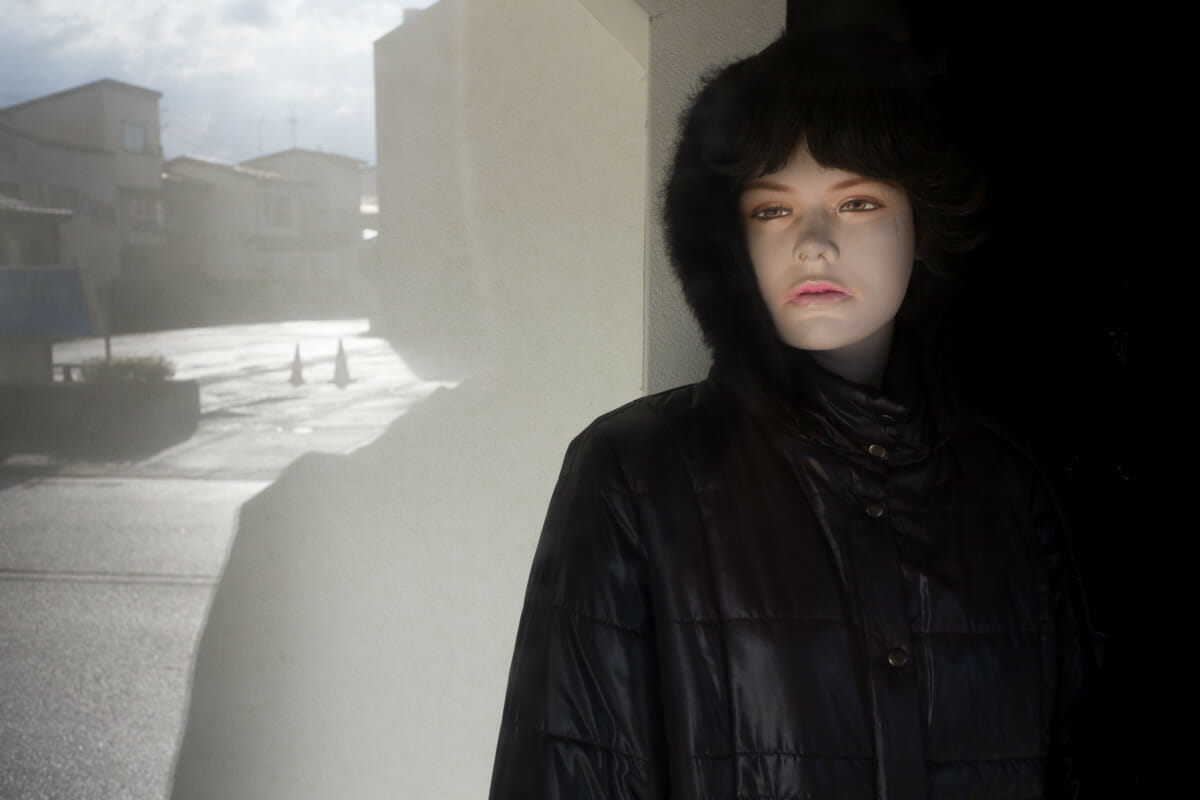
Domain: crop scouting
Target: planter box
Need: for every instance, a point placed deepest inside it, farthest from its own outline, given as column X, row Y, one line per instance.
column 105, row 420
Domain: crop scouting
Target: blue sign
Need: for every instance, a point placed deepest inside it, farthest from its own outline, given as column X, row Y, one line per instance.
column 43, row 302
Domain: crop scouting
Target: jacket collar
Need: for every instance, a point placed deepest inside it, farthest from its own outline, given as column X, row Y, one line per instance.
column 895, row 424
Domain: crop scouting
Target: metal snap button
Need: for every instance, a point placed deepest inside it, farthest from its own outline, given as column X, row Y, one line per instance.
column 897, row 657
column 874, row 510
column 877, row 450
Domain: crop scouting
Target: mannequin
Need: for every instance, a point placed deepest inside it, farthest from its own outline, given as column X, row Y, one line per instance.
column 816, row 573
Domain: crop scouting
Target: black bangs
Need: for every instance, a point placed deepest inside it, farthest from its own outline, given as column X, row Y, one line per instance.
column 854, row 98
column 859, row 102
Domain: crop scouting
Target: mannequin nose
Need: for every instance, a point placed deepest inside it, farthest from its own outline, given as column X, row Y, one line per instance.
column 813, row 240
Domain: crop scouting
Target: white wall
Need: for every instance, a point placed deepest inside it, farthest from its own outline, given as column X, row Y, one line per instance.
column 512, row 172
column 511, row 169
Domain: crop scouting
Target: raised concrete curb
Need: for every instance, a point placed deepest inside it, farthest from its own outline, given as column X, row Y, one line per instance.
column 97, row 419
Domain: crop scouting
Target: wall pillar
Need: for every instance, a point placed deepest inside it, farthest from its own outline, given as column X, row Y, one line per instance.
column 688, row 38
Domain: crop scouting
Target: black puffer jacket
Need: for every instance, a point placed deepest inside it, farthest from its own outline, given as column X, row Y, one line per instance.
column 842, row 594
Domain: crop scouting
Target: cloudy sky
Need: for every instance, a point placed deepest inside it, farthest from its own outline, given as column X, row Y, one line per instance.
column 233, row 73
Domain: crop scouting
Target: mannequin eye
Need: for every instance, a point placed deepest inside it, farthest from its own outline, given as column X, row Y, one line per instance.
column 860, row 204
column 771, row 212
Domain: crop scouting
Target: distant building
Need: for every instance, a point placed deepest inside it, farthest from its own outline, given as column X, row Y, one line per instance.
column 191, row 242
column 275, row 236
column 330, row 215
column 234, row 223
column 93, row 149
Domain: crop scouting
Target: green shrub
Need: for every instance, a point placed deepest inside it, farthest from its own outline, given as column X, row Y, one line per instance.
column 132, row 369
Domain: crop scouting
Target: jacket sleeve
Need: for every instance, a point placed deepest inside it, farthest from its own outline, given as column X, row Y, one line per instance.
column 1072, row 745
column 582, row 715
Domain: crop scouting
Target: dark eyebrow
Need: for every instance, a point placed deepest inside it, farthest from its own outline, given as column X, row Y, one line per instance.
column 856, row 180
column 770, row 186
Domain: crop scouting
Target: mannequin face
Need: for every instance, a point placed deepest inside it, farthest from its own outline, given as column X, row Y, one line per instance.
column 811, row 228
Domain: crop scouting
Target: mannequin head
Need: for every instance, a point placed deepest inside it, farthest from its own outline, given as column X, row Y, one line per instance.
column 816, row 111
column 832, row 253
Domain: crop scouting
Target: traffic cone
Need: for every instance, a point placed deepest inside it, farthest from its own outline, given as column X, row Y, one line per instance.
column 341, row 371
column 297, row 369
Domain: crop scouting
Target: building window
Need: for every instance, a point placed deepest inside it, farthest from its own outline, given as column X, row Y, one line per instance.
column 135, row 137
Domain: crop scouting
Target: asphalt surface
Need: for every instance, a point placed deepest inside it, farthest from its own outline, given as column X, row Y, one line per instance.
column 107, row 568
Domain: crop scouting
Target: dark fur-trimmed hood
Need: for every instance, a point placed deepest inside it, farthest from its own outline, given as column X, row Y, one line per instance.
column 708, row 248
column 853, row 100
column 711, row 260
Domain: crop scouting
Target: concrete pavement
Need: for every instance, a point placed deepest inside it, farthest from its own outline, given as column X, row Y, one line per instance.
column 107, row 568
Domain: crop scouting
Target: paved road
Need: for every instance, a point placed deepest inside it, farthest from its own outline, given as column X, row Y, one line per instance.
column 106, row 569
column 254, row 421
column 103, row 590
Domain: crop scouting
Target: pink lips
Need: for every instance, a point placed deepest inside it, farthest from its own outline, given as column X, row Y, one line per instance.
column 816, row 293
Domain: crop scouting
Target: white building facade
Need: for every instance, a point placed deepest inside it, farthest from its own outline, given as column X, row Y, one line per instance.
column 279, row 236
column 95, row 149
